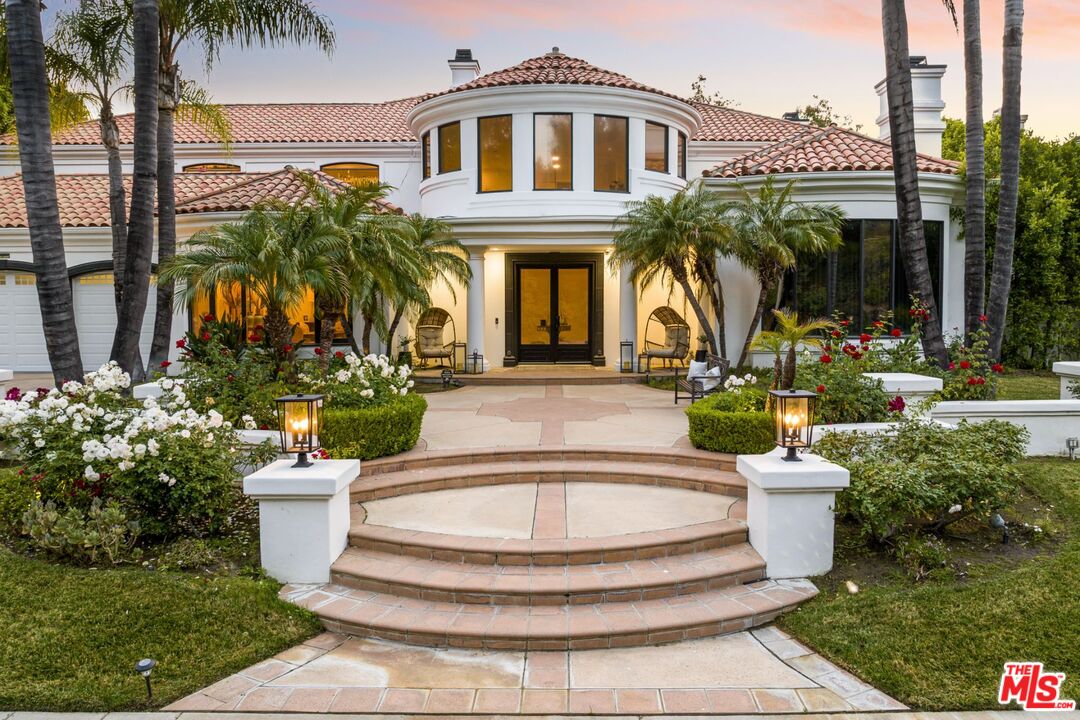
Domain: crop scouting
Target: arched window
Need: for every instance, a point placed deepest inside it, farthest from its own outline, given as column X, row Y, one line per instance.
column 212, row 168
column 354, row 173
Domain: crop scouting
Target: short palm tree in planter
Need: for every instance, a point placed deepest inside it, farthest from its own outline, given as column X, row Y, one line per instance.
column 784, row 343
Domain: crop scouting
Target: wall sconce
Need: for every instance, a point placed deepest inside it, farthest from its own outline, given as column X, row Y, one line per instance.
column 299, row 421
column 794, row 420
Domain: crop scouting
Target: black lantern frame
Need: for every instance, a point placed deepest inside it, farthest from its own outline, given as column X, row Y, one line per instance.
column 474, row 364
column 794, row 414
column 447, row 377
column 626, row 356
column 300, row 419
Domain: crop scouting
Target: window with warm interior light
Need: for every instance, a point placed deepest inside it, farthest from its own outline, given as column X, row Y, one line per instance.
column 611, row 154
column 449, row 147
column 354, row 173
column 656, row 147
column 212, row 168
column 682, row 155
column 235, row 304
column 425, row 154
column 495, row 142
column 553, row 151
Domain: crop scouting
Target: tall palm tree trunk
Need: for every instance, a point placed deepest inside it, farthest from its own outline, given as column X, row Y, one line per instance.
column 399, row 312
column 279, row 330
column 329, row 313
column 30, row 93
column 691, row 297
column 110, row 139
column 759, row 310
column 168, row 98
column 975, row 157
column 912, row 236
column 141, row 221
column 1001, row 276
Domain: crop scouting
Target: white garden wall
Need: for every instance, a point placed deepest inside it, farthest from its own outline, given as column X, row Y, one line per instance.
column 1050, row 422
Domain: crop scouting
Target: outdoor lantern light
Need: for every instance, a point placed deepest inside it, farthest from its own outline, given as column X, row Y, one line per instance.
column 299, row 422
column 1071, row 444
column 144, row 667
column 794, row 420
column 447, row 375
column 626, row 356
column 475, row 363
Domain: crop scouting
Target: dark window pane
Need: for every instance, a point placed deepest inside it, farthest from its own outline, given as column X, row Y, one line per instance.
column 495, row 141
column 935, row 232
column 450, row 148
column 610, row 170
column 552, row 169
column 811, row 288
column 682, row 156
column 877, row 270
column 656, row 147
column 846, row 293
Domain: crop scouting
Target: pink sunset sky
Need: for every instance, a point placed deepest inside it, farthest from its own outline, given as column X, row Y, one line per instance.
column 767, row 55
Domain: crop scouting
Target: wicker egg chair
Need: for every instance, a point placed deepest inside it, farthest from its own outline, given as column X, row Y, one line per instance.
column 431, row 337
column 667, row 338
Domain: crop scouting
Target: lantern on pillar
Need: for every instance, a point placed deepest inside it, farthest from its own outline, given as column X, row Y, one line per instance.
column 626, row 356
column 794, row 420
column 299, row 422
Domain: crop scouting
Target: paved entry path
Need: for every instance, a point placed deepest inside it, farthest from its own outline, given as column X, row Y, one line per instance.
column 486, row 416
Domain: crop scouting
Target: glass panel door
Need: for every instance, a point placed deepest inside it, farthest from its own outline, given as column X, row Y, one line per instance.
column 534, row 288
column 573, row 306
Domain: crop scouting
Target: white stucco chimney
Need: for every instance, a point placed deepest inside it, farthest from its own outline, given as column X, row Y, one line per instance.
column 926, row 98
column 463, row 68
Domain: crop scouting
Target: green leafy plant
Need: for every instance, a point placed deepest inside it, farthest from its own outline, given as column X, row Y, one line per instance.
column 102, row 532
column 734, row 421
column 371, row 432
column 972, row 373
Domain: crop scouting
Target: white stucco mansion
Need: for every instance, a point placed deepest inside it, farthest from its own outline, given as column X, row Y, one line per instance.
column 529, row 165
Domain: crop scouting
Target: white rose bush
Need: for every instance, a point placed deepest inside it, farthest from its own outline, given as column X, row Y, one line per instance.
column 166, row 466
column 359, row 382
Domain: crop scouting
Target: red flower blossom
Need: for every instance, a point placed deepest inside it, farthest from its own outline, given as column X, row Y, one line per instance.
column 264, row 427
column 856, row 356
column 845, row 323
column 897, row 404
column 981, row 380
column 230, row 377
column 965, row 365
column 181, row 343
column 879, row 324
column 339, row 354
column 258, row 327
column 254, row 337
column 982, row 318
column 952, row 366
column 165, row 363
column 205, row 336
column 318, row 351
column 13, row 394
column 287, row 348
column 820, row 389
column 837, row 334
column 864, row 338
column 865, row 348
column 998, row 368
column 896, row 332
column 826, row 359
column 208, row 318
column 971, row 381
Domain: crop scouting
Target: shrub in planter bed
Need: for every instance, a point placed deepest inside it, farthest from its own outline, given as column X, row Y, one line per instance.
column 370, row 432
column 925, row 476
column 734, row 421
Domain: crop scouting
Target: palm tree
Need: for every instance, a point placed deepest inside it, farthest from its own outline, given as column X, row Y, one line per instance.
column 277, row 253
column 975, row 170
column 1011, row 127
column 662, row 239
column 136, row 278
column 212, row 24
column 30, row 93
column 911, row 235
column 93, row 44
column 772, row 232
column 792, row 335
column 440, row 258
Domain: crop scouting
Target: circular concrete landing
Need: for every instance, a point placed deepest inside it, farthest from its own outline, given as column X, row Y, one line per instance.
column 549, row 510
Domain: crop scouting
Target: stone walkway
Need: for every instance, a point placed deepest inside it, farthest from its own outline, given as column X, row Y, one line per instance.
column 486, row 416
column 761, row 671
column 891, row 715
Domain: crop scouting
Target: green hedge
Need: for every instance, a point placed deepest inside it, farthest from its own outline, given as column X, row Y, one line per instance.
column 366, row 433
column 714, row 427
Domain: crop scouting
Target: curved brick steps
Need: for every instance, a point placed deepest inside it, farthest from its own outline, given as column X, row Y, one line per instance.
column 550, row 552
column 545, row 627
column 427, row 479
column 488, row 584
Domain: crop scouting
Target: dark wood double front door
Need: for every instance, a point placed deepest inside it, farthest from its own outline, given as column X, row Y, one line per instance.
column 554, row 311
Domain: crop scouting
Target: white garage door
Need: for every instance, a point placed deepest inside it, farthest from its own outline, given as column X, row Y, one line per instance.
column 22, row 341
column 95, row 317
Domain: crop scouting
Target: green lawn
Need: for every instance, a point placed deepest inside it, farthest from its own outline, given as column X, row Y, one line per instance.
column 69, row 638
column 940, row 644
column 1029, row 385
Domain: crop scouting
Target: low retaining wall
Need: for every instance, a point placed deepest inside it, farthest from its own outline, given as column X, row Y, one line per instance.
column 1068, row 372
column 1050, row 422
column 909, row 386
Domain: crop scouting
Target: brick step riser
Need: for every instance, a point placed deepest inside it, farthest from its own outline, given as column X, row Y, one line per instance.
column 586, row 557
column 417, row 592
column 466, row 481
column 660, row 637
column 381, row 467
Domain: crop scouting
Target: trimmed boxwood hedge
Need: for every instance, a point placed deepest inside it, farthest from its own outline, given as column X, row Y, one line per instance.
column 716, row 424
column 366, row 433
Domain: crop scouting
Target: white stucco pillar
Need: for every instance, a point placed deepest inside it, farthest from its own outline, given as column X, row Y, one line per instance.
column 475, row 307
column 628, row 321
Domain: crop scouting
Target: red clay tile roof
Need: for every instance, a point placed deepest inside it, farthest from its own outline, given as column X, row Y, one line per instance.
column 725, row 124
column 276, row 123
column 554, row 68
column 84, row 198
column 830, row 149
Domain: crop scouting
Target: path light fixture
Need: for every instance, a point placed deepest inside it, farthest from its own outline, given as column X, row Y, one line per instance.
column 794, row 420
column 626, row 356
column 299, row 423
column 144, row 667
column 447, row 375
column 475, row 363
column 1072, row 444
